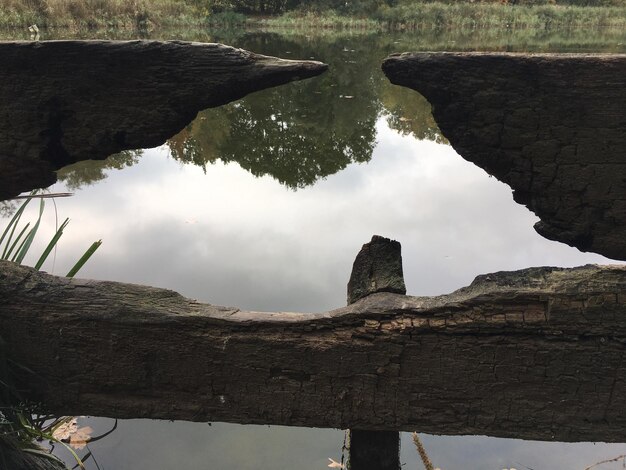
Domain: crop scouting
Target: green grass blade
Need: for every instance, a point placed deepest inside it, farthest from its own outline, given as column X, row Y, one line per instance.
column 79, row 462
column 79, row 264
column 19, row 248
column 31, row 235
column 12, row 225
column 51, row 245
column 17, row 240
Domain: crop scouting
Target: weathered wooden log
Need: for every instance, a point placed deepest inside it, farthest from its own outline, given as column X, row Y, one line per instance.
column 374, row 450
column 551, row 126
column 537, row 353
column 65, row 101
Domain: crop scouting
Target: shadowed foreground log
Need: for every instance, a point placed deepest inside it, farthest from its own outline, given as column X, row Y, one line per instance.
column 537, row 353
column 65, row 101
column 551, row 126
column 14, row 459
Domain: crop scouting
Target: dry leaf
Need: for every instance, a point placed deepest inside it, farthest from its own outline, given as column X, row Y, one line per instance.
column 81, row 437
column 334, row 464
column 65, row 430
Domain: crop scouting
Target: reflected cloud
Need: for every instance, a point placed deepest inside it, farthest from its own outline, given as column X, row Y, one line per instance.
column 229, row 238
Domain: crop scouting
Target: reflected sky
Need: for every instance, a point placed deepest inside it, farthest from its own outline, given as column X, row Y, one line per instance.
column 167, row 445
column 230, row 238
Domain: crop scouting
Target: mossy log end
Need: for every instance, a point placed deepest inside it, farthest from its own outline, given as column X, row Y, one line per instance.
column 537, row 354
column 65, row 101
column 551, row 126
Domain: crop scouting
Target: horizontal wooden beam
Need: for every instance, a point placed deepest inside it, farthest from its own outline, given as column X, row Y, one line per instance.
column 537, row 354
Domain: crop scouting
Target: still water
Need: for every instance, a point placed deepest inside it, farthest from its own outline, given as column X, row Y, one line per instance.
column 263, row 204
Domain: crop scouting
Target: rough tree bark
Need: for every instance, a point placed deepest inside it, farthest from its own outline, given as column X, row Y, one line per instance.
column 65, row 101
column 551, row 126
column 537, row 353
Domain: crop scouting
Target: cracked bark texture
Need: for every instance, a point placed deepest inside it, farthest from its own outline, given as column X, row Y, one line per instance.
column 65, row 101
column 536, row 354
column 551, row 126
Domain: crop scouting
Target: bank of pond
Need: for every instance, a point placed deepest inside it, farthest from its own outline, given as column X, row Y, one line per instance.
column 370, row 15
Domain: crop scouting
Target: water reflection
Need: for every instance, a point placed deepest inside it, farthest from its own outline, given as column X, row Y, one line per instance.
column 88, row 172
column 230, row 238
column 177, row 444
column 470, row 39
column 298, row 133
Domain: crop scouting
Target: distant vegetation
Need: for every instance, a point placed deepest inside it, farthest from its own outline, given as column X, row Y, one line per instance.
column 95, row 13
column 369, row 14
column 412, row 16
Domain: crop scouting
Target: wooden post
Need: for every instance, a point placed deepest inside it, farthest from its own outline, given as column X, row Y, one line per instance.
column 374, row 450
column 377, row 268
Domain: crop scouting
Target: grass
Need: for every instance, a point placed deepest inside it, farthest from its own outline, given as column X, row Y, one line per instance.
column 329, row 20
column 480, row 16
column 16, row 241
column 97, row 14
column 407, row 15
column 468, row 16
column 21, row 423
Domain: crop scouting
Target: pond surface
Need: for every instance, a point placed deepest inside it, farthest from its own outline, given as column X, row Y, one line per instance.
column 263, row 204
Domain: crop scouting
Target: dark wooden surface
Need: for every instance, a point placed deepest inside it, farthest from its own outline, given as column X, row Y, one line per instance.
column 535, row 354
column 551, row 126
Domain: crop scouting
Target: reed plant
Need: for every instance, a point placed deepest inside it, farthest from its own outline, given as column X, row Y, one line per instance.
column 16, row 240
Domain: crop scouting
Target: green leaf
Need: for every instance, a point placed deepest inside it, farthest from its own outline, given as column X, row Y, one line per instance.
column 79, row 264
column 51, row 245
column 19, row 248
column 17, row 240
column 31, row 235
column 12, row 225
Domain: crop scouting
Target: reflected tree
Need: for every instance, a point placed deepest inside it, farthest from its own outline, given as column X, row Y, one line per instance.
column 88, row 172
column 409, row 113
column 296, row 134
column 8, row 208
column 199, row 143
column 301, row 132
